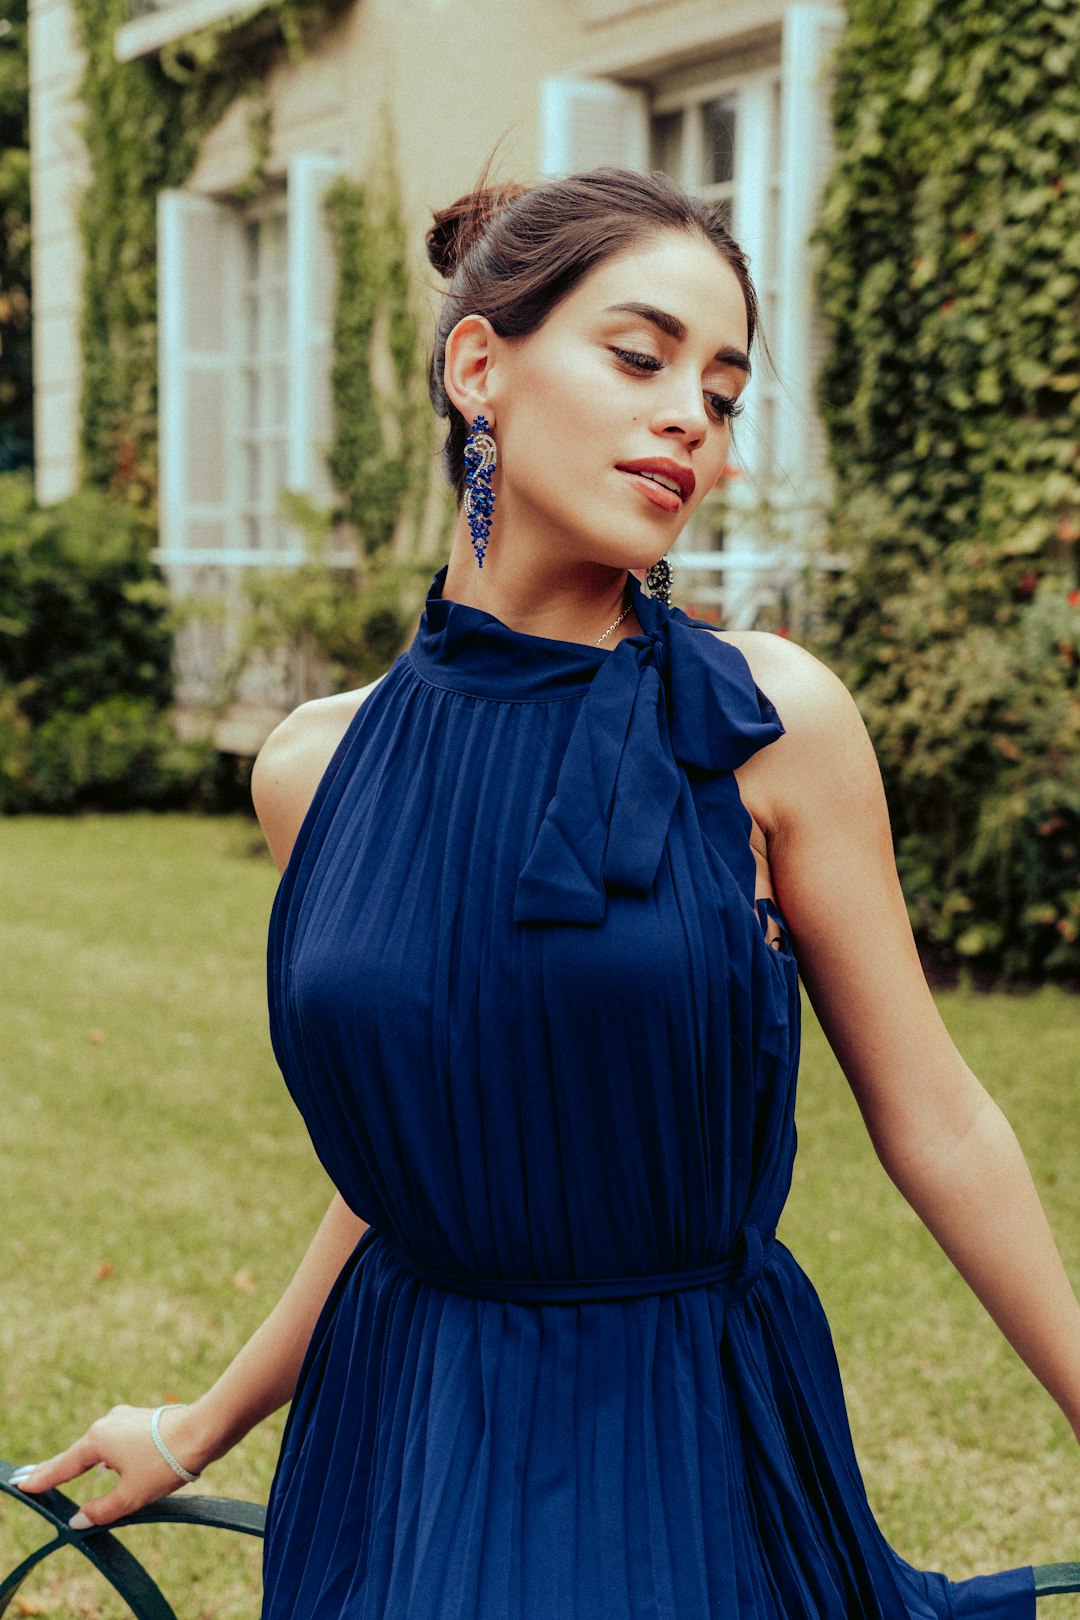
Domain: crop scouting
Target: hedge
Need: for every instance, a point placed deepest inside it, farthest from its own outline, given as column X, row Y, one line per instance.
column 950, row 282
column 85, row 651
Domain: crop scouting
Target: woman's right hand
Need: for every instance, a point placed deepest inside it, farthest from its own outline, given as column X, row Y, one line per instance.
column 258, row 1381
column 123, row 1442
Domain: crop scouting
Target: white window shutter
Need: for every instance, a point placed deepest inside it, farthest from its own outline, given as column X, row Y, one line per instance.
column 198, row 249
column 312, row 289
column 588, row 123
column 806, row 151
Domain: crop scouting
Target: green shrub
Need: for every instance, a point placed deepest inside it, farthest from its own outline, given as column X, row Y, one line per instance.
column 122, row 752
column 14, row 753
column 950, row 281
column 85, row 660
column 83, row 610
column 981, row 758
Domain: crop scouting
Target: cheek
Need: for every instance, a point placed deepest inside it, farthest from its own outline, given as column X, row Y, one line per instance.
column 711, row 463
column 561, row 413
column 576, row 383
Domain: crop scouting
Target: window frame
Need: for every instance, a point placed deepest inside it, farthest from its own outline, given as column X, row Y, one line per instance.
column 304, row 350
column 755, row 196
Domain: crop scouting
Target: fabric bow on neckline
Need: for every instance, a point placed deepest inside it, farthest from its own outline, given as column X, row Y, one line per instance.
column 674, row 696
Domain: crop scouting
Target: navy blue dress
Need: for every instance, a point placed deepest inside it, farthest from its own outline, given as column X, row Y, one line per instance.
column 524, row 999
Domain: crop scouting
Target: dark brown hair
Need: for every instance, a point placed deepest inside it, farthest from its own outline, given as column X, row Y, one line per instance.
column 512, row 252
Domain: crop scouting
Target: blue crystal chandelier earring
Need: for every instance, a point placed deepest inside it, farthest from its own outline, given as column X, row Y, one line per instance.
column 480, row 458
column 658, row 581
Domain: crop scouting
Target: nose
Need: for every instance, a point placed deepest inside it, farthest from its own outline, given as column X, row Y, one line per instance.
column 681, row 413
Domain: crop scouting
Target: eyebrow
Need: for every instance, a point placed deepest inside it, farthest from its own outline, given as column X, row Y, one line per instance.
column 672, row 327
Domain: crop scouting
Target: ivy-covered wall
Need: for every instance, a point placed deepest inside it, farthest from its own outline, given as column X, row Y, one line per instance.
column 16, row 385
column 950, row 278
column 379, row 458
column 145, row 121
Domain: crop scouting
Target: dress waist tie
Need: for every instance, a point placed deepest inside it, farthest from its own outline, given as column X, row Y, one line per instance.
column 740, row 1271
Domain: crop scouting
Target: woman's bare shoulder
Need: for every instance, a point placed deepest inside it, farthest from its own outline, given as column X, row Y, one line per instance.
column 809, row 697
column 783, row 669
column 824, row 734
column 292, row 761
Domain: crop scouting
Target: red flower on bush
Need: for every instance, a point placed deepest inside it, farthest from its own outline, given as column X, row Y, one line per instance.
column 1026, row 583
column 1073, row 598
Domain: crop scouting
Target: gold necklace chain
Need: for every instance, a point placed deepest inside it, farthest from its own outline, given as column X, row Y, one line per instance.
column 614, row 626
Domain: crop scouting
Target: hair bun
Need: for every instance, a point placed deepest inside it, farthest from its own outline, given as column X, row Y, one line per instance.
column 457, row 227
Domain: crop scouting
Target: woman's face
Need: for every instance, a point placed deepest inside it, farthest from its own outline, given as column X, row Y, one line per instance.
column 629, row 385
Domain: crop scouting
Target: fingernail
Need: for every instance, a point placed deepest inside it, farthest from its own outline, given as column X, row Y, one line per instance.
column 79, row 1521
column 22, row 1473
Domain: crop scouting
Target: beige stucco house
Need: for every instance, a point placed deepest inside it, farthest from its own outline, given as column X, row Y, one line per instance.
column 730, row 96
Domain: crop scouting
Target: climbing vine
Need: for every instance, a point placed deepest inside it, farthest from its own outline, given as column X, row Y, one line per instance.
column 328, row 624
column 950, row 279
column 143, row 127
column 16, row 384
column 380, row 458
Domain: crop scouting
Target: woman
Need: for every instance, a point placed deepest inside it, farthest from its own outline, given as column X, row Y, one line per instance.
column 549, row 886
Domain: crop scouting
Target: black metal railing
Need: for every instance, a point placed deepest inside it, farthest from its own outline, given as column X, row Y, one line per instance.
column 103, row 1549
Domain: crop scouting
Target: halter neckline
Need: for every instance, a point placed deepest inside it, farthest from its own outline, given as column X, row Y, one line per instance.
column 676, row 697
column 470, row 650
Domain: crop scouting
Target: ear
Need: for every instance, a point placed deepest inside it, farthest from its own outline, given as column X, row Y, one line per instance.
column 470, row 357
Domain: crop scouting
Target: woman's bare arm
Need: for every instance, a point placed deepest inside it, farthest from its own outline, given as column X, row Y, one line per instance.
column 259, row 1379
column 942, row 1139
column 262, row 1376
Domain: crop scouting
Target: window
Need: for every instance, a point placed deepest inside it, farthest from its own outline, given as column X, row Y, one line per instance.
column 264, row 392
column 694, row 142
column 748, row 127
column 721, row 139
column 245, row 316
column 751, row 132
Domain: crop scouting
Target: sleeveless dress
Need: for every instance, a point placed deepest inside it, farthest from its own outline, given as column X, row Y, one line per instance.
column 522, row 994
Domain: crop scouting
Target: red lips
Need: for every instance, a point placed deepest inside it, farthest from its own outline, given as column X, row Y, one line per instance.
column 660, row 466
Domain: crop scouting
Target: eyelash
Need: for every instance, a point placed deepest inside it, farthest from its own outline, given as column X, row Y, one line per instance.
column 726, row 409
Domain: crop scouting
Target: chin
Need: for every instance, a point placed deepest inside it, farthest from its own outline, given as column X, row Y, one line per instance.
column 615, row 548
column 638, row 562
column 637, row 553
column 644, row 557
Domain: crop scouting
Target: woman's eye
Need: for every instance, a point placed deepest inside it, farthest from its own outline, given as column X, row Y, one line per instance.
column 723, row 408
column 641, row 362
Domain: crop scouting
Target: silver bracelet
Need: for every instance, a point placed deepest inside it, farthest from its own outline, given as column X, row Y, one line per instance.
column 178, row 1468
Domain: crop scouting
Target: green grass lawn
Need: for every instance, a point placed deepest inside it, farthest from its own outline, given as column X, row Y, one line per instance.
column 158, row 1189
